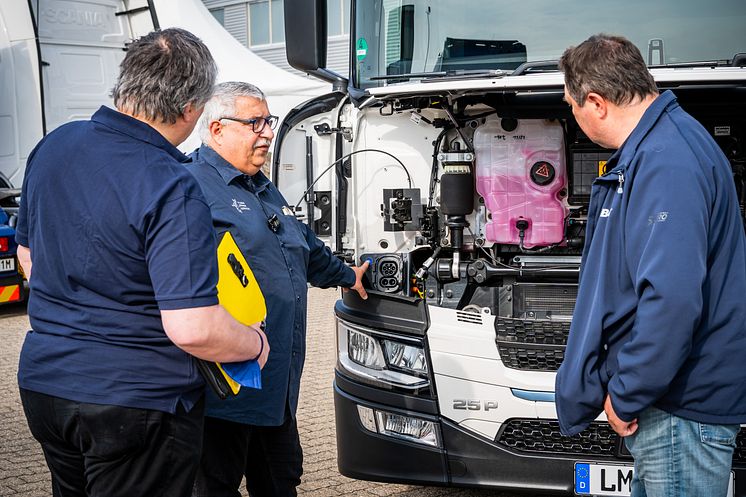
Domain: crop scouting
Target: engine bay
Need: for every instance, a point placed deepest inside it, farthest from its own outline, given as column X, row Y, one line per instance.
column 500, row 226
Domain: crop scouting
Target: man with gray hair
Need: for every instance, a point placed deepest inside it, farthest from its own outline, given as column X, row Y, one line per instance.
column 122, row 285
column 658, row 325
column 255, row 433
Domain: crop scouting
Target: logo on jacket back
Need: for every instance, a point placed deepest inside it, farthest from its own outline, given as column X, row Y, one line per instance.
column 606, row 212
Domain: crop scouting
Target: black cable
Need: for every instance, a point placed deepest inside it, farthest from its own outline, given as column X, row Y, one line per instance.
column 409, row 177
column 434, row 169
column 469, row 145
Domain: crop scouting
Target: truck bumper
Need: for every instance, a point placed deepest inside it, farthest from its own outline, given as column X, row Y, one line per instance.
column 464, row 460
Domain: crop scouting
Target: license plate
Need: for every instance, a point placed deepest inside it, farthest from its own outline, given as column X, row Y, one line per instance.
column 603, row 479
column 8, row 264
column 611, row 479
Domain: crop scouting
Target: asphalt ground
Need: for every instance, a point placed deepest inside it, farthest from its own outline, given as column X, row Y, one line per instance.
column 23, row 472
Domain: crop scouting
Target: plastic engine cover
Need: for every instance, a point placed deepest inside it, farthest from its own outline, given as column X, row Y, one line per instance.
column 521, row 175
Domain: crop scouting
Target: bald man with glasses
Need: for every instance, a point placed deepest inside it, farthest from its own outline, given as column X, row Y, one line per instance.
column 255, row 434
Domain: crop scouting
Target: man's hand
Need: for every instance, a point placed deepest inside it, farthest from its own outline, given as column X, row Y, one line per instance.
column 622, row 428
column 358, row 286
column 262, row 359
column 24, row 259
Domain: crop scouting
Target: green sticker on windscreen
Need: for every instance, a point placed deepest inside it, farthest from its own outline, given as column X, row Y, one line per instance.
column 361, row 49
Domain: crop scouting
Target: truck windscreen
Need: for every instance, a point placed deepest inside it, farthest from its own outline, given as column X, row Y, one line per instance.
column 400, row 40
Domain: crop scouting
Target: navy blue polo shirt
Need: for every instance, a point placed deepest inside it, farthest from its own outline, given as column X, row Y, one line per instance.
column 283, row 262
column 118, row 230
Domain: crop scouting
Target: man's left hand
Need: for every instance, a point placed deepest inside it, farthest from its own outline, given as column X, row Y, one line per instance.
column 358, row 286
column 622, row 428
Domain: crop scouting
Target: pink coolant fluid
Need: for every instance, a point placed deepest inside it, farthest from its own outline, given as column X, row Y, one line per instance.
column 521, row 175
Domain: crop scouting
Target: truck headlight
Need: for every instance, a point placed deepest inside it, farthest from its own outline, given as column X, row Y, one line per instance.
column 402, row 356
column 381, row 358
column 365, row 350
column 400, row 426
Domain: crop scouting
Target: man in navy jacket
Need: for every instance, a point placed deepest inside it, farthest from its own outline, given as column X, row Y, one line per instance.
column 659, row 328
column 255, row 433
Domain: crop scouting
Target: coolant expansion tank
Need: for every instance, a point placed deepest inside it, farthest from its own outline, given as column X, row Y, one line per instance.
column 521, row 174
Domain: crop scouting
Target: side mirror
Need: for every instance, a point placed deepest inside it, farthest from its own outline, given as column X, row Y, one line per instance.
column 306, row 39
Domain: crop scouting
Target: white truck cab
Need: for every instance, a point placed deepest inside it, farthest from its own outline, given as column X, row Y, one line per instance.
column 58, row 62
column 449, row 159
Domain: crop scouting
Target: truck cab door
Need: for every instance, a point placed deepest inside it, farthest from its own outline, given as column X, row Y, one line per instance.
column 82, row 44
column 308, row 143
column 59, row 60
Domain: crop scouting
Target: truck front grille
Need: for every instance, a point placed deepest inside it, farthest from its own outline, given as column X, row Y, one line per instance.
column 543, row 436
column 534, row 345
column 539, row 301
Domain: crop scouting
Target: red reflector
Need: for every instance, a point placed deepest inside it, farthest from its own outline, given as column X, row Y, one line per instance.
column 10, row 293
column 3, row 243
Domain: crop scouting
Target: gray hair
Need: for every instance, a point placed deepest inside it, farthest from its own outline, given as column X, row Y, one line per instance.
column 223, row 103
column 162, row 72
column 611, row 66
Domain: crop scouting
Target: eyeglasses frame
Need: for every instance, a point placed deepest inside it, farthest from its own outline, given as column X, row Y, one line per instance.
column 269, row 120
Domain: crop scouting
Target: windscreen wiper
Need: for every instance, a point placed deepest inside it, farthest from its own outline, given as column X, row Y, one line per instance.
column 408, row 75
column 694, row 63
column 460, row 74
column 429, row 77
column 536, row 66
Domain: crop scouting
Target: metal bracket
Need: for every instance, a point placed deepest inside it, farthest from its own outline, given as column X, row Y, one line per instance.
column 324, row 129
column 323, row 201
column 401, row 209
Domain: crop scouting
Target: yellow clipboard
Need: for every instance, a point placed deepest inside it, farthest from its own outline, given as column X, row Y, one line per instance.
column 238, row 290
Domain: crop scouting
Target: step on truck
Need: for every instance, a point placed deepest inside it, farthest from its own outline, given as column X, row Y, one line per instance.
column 449, row 159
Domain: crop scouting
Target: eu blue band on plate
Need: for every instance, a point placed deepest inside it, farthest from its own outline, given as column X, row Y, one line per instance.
column 582, row 478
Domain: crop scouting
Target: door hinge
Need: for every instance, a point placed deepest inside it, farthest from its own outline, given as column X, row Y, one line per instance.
column 324, row 129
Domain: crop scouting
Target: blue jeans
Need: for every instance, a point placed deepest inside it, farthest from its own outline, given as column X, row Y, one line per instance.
column 676, row 457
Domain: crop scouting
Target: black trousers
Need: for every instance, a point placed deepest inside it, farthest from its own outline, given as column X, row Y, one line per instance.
column 97, row 450
column 270, row 457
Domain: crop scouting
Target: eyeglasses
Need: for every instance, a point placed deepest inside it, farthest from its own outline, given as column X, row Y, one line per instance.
column 257, row 124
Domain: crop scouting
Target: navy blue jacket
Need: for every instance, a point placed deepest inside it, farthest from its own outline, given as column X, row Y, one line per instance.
column 661, row 315
column 283, row 262
column 118, row 231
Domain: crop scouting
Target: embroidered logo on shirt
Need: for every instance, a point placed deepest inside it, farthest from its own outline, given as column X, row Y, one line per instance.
column 240, row 206
column 606, row 212
column 658, row 218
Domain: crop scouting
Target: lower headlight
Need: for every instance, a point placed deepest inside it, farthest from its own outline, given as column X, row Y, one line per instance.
column 394, row 425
